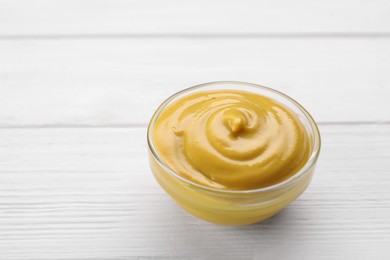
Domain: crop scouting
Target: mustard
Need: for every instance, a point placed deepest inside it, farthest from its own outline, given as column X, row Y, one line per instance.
column 231, row 139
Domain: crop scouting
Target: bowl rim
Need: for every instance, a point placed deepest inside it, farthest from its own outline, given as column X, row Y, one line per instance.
column 289, row 181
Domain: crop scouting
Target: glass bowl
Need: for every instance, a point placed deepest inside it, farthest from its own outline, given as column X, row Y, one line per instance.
column 235, row 207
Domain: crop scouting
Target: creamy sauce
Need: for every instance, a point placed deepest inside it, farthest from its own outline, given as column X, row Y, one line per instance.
column 231, row 139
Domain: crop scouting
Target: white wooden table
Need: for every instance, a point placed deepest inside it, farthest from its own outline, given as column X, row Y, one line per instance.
column 79, row 81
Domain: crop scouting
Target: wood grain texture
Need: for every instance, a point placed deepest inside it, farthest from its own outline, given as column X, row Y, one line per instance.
column 119, row 17
column 88, row 193
column 121, row 82
column 79, row 81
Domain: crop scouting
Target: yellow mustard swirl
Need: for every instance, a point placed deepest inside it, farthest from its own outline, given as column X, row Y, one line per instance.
column 231, row 139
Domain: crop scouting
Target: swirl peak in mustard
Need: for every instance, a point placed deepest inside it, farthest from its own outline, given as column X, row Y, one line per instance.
column 231, row 139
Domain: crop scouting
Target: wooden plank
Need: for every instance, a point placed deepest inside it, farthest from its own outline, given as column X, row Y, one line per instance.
column 121, row 82
column 120, row 17
column 88, row 193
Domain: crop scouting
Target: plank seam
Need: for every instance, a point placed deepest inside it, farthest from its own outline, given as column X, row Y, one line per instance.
column 191, row 36
column 145, row 125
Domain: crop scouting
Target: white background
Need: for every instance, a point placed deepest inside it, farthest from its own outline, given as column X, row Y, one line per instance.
column 79, row 81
